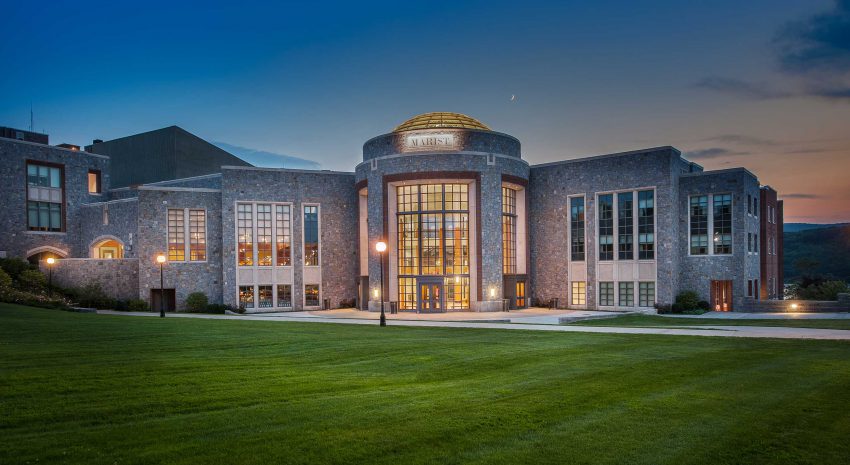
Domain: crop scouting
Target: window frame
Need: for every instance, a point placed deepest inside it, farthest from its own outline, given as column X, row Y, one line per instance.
column 187, row 234
column 99, row 179
column 318, row 264
column 63, row 220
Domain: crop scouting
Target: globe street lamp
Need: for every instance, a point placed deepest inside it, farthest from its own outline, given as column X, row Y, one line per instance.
column 50, row 262
column 381, row 247
column 161, row 260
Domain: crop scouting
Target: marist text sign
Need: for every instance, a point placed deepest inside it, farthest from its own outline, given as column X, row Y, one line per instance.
column 430, row 141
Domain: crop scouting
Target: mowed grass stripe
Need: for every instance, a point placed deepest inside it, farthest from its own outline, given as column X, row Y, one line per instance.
column 101, row 389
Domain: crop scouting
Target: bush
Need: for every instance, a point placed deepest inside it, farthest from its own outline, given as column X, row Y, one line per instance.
column 120, row 306
column 218, row 308
column 33, row 299
column 31, row 280
column 5, row 281
column 15, row 266
column 663, row 308
column 704, row 305
column 686, row 300
column 91, row 296
column 197, row 302
column 137, row 305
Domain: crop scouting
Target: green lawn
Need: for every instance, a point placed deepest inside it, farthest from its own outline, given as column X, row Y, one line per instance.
column 90, row 389
column 655, row 320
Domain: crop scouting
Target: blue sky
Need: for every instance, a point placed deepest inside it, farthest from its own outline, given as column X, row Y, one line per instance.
column 757, row 83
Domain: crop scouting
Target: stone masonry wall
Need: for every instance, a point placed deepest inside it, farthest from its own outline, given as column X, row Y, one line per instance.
column 121, row 223
column 119, row 278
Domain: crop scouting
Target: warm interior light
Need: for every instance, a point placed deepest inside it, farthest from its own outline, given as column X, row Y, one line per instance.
column 377, row 293
column 457, row 279
column 160, row 258
column 381, row 246
column 492, row 292
column 793, row 306
column 51, row 260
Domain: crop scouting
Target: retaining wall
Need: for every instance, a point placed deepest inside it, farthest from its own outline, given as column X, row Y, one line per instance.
column 119, row 278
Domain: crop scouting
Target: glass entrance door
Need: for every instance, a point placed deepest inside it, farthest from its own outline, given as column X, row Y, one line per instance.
column 430, row 295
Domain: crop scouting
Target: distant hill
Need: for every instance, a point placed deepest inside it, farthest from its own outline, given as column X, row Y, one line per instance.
column 828, row 248
column 797, row 227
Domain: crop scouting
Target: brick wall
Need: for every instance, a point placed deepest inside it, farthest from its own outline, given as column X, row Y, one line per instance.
column 119, row 278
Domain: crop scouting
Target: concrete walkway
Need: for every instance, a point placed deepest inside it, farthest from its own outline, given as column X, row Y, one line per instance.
column 717, row 331
column 542, row 316
column 767, row 316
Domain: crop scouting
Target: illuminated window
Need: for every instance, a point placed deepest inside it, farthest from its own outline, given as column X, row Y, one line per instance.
column 456, row 292
column 197, row 235
column 509, row 219
column 579, row 293
column 606, row 294
column 625, row 226
column 284, row 295
column 407, row 293
column 577, row 229
column 646, row 291
column 245, row 234
column 264, row 235
column 176, row 235
column 311, row 295
column 45, row 183
column 699, row 224
column 284, row 235
column 722, row 223
column 520, row 294
column 94, row 182
column 264, row 296
column 606, row 227
column 627, row 294
column 311, row 235
column 246, row 296
column 646, row 225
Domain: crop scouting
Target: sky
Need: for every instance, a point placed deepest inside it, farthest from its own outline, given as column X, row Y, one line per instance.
column 760, row 84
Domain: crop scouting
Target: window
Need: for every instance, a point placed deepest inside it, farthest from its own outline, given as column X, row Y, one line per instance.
column 245, row 234
column 606, row 227
column 606, row 294
column 433, row 239
column 197, row 235
column 646, row 291
column 508, row 230
column 755, row 243
column 284, row 295
column 264, row 235
column 311, row 295
column 176, row 235
column 264, row 296
column 723, row 223
column 755, row 206
column 520, row 294
column 699, row 225
column 283, row 242
column 627, row 294
column 749, row 242
column 178, row 248
column 579, row 293
column 311, row 236
column 749, row 288
column 94, row 182
column 246, row 296
column 749, row 204
column 577, row 229
column 46, row 193
column 625, row 226
column 646, row 225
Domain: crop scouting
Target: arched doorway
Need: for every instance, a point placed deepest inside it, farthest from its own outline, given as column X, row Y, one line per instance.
column 43, row 253
column 107, row 247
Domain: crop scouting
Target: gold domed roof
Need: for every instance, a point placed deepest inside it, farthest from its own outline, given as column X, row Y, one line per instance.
column 441, row 119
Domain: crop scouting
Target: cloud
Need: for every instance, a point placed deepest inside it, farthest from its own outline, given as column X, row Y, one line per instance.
column 268, row 159
column 817, row 50
column 741, row 139
column 805, row 151
column 802, row 196
column 743, row 89
column 711, row 153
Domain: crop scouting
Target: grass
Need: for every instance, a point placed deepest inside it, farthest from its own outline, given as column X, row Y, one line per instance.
column 655, row 320
column 91, row 389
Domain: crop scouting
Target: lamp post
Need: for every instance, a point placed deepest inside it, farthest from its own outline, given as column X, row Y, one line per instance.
column 50, row 262
column 381, row 247
column 161, row 260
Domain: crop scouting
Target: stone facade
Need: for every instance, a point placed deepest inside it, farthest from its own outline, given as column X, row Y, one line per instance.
column 119, row 278
column 115, row 219
column 16, row 240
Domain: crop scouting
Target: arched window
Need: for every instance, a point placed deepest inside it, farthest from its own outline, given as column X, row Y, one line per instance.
column 107, row 247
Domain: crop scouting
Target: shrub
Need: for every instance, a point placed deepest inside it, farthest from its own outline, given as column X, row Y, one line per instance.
column 120, row 306
column 686, row 300
column 35, row 299
column 241, row 309
column 663, row 308
column 137, row 305
column 31, row 280
column 15, row 266
column 218, row 308
column 197, row 302
column 92, row 296
column 704, row 305
column 5, row 281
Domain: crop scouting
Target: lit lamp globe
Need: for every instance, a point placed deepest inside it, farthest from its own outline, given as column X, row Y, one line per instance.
column 160, row 258
column 381, row 246
column 51, row 260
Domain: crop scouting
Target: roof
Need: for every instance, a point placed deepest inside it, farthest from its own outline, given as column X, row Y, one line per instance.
column 441, row 119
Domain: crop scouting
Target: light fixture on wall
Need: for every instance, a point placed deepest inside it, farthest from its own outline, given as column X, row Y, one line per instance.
column 492, row 292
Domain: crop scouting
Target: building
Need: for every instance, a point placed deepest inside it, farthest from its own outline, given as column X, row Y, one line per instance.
column 470, row 226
